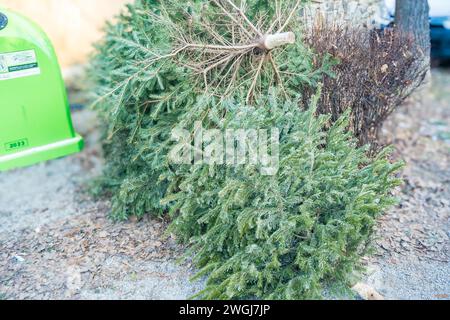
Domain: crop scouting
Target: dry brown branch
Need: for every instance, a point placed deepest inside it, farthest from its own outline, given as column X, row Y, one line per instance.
column 278, row 77
column 229, row 48
column 255, row 79
column 291, row 15
column 244, row 17
column 218, row 48
column 249, row 35
column 377, row 72
column 217, row 61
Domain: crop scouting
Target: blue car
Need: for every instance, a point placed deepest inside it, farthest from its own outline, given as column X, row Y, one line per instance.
column 439, row 23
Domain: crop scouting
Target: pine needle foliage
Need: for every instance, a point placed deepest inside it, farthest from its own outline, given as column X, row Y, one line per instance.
column 171, row 64
column 288, row 235
column 143, row 87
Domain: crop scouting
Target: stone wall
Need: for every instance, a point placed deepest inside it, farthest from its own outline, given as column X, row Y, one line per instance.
column 346, row 11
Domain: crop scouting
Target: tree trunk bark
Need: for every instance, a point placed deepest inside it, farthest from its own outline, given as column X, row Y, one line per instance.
column 412, row 19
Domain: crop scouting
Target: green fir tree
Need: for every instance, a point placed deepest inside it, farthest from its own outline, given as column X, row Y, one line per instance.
column 236, row 65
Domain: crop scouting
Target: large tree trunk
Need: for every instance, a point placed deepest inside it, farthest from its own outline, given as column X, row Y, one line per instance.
column 412, row 19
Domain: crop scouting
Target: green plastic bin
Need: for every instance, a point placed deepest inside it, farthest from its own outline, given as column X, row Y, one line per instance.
column 35, row 121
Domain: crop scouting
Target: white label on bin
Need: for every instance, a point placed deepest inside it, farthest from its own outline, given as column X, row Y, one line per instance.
column 18, row 65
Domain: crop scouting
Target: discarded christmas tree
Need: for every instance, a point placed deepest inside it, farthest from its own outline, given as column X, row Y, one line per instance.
column 163, row 55
column 168, row 66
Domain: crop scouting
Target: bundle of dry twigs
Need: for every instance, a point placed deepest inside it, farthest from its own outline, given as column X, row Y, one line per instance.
column 228, row 48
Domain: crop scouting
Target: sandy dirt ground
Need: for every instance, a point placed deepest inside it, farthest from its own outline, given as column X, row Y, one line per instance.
column 413, row 256
column 57, row 243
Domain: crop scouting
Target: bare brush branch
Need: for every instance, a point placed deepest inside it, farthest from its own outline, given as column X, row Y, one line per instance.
column 240, row 25
column 218, row 58
column 277, row 74
column 288, row 20
column 242, row 14
column 255, row 79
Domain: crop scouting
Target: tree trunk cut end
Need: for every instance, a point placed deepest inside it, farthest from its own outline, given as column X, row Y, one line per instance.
column 272, row 41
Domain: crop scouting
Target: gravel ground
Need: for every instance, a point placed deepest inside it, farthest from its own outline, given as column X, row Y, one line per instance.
column 412, row 280
column 57, row 243
column 413, row 256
